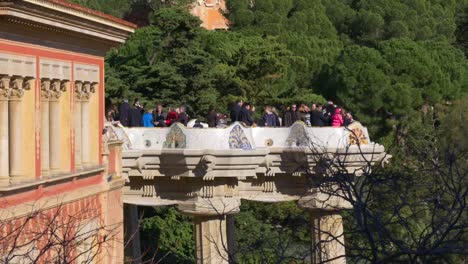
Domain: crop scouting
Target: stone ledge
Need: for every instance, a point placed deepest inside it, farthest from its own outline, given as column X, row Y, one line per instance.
column 51, row 180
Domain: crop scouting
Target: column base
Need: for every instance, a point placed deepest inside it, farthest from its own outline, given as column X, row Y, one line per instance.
column 18, row 179
column 45, row 173
column 54, row 171
column 4, row 182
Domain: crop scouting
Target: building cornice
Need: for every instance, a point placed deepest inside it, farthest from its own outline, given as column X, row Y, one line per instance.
column 60, row 16
column 72, row 8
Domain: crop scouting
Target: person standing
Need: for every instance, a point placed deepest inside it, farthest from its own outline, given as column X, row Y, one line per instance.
column 172, row 116
column 317, row 118
column 147, row 119
column 236, row 111
column 291, row 116
column 269, row 119
column 277, row 117
column 348, row 118
column 134, row 119
column 246, row 114
column 212, row 118
column 330, row 110
column 183, row 117
column 337, row 118
column 124, row 112
column 304, row 114
column 159, row 117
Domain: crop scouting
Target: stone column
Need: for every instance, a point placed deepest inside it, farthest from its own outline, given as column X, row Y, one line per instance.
column 327, row 237
column 85, row 130
column 231, row 237
column 45, row 97
column 56, row 89
column 16, row 129
column 324, row 204
column 4, row 137
column 211, row 239
column 132, row 233
column 77, row 124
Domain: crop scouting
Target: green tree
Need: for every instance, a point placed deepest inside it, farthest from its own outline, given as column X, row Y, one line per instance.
column 386, row 86
column 167, row 236
column 117, row 8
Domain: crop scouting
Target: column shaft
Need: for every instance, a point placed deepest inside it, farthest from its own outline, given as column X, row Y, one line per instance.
column 54, row 132
column 4, row 145
column 16, row 140
column 212, row 246
column 231, row 237
column 85, row 140
column 327, row 238
column 45, row 164
column 132, row 233
column 78, row 141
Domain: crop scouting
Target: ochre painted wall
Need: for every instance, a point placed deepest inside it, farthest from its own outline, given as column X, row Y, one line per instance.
column 31, row 111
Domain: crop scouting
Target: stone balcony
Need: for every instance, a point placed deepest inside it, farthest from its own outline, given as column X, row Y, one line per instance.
column 207, row 172
column 176, row 165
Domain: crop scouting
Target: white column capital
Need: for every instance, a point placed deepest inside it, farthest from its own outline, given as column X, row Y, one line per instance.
column 87, row 89
column 18, row 84
column 5, row 89
column 78, row 90
column 57, row 87
column 45, row 88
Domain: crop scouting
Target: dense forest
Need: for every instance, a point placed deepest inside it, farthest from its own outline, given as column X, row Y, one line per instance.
column 399, row 65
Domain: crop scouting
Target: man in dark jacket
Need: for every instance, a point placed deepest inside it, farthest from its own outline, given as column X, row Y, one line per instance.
column 317, row 118
column 236, row 111
column 159, row 117
column 291, row 116
column 212, row 118
column 246, row 115
column 183, row 117
column 134, row 119
column 124, row 110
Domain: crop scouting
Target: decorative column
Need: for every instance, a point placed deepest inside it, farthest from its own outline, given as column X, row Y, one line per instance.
column 77, row 124
column 211, row 239
column 16, row 128
column 4, row 137
column 56, row 89
column 327, row 237
column 87, row 89
column 212, row 206
column 45, row 97
column 324, row 203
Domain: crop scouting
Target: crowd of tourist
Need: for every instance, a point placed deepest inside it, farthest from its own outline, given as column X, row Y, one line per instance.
column 137, row 115
column 316, row 115
column 313, row 115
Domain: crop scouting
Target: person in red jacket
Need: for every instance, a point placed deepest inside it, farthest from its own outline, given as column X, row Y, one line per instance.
column 337, row 118
column 172, row 116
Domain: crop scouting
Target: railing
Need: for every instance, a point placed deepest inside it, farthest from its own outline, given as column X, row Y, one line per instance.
column 239, row 137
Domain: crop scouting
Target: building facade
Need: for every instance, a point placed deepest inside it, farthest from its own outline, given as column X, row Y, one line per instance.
column 58, row 174
column 211, row 13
